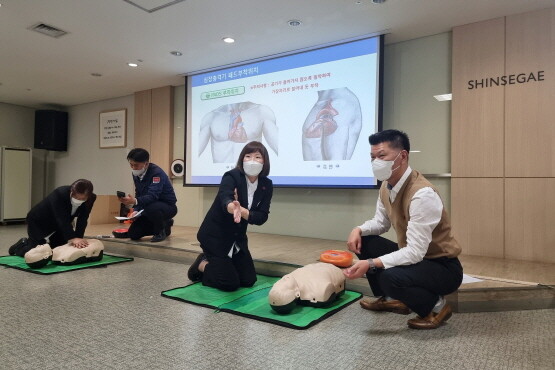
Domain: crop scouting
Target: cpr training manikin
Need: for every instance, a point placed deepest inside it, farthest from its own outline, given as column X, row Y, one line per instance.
column 317, row 284
column 65, row 254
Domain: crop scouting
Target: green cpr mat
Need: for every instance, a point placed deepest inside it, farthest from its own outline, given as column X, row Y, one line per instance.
column 17, row 262
column 253, row 303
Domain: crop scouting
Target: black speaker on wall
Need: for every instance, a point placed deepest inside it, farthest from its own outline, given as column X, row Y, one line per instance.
column 51, row 130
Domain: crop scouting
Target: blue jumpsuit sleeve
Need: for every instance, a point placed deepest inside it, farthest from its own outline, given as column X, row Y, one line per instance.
column 154, row 191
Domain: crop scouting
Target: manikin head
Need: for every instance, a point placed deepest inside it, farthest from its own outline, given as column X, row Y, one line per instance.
column 39, row 256
column 284, row 294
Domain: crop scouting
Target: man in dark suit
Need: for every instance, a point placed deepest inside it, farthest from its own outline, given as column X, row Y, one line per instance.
column 52, row 218
column 243, row 198
column 154, row 194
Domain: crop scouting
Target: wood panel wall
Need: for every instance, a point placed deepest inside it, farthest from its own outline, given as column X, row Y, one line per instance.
column 530, row 107
column 143, row 119
column 477, row 115
column 478, row 222
column 529, row 220
column 154, row 124
column 503, row 138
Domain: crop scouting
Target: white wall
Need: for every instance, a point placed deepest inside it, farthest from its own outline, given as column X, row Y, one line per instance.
column 106, row 168
column 415, row 71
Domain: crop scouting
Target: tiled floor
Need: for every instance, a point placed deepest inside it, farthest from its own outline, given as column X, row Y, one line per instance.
column 115, row 318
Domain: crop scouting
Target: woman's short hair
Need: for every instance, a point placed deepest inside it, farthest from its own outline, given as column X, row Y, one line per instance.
column 82, row 186
column 255, row 147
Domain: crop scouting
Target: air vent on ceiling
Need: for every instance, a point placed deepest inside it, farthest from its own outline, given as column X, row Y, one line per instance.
column 48, row 30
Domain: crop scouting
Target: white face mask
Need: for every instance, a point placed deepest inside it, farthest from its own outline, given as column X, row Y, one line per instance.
column 76, row 202
column 139, row 172
column 382, row 169
column 252, row 168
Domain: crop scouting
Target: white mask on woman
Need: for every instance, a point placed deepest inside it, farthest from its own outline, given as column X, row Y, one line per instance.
column 76, row 202
column 252, row 168
column 382, row 169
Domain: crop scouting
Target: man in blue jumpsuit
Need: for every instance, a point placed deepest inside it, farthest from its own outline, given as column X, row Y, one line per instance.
column 154, row 195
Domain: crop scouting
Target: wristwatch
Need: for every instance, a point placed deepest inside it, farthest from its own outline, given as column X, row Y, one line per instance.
column 372, row 269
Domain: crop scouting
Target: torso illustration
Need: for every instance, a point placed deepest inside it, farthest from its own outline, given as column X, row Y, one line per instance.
column 332, row 128
column 231, row 126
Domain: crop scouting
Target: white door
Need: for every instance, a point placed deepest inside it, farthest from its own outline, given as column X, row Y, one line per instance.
column 16, row 183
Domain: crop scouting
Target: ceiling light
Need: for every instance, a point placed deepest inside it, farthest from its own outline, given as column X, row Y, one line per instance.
column 294, row 22
column 378, row 1
column 443, row 97
column 132, row 65
column 176, row 53
column 228, row 40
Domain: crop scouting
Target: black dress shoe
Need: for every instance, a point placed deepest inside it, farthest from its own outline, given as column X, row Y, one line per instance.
column 168, row 227
column 159, row 237
column 194, row 274
column 18, row 245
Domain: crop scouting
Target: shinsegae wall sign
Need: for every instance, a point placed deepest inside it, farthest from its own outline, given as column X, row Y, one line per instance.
column 512, row 79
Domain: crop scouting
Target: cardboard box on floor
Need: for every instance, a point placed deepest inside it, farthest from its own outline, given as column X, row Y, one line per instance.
column 105, row 208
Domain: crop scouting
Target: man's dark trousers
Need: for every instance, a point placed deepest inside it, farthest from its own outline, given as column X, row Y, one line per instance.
column 418, row 286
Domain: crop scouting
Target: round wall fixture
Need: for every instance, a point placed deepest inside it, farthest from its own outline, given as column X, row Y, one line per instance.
column 178, row 167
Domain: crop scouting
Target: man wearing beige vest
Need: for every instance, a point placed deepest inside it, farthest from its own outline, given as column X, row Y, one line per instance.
column 416, row 272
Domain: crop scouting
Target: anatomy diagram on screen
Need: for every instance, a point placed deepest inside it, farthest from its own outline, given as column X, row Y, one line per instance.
column 229, row 127
column 332, row 128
